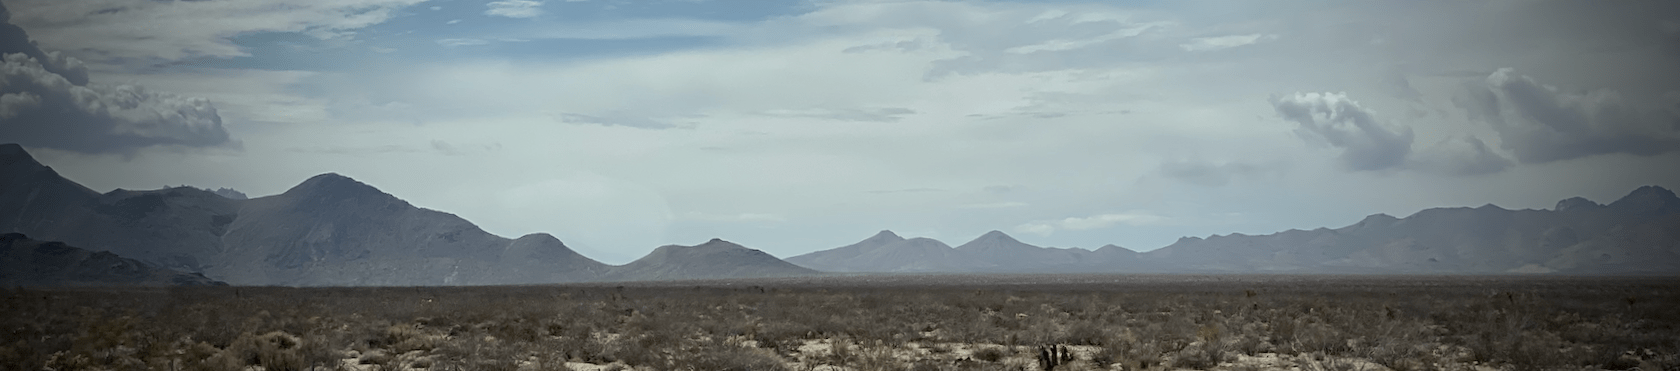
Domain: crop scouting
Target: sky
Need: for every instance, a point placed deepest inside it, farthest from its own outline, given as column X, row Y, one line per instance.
column 795, row 126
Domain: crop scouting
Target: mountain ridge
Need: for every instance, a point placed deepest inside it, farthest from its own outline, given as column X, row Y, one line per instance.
column 331, row 229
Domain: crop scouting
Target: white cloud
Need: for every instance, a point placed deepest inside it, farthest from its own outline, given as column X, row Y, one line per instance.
column 1057, row 45
column 146, row 32
column 1366, row 143
column 515, row 8
column 454, row 42
column 1203, row 44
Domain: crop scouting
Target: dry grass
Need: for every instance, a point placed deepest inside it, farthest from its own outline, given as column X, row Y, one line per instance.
column 1342, row 324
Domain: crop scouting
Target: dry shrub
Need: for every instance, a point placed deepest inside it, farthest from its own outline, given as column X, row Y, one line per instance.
column 727, row 357
column 1202, row 356
column 990, row 354
column 405, row 338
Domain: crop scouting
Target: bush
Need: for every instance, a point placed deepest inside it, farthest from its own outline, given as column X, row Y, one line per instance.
column 990, row 354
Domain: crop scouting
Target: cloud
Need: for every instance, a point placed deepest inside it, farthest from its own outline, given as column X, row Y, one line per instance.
column 1460, row 155
column 454, row 42
column 1101, row 221
column 14, row 40
column 889, row 114
column 145, row 33
column 515, row 8
column 1205, row 44
column 616, row 119
column 51, row 105
column 1056, row 45
column 1366, row 143
column 1539, row 123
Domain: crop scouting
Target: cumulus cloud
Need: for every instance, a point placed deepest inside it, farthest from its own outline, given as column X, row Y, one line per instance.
column 1366, row 143
column 1204, row 44
column 515, row 8
column 1100, row 221
column 14, row 40
column 51, row 105
column 1539, row 123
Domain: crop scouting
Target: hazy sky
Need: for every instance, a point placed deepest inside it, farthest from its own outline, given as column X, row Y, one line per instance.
column 619, row 126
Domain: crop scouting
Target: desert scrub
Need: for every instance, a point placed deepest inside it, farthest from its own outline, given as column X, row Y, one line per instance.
column 1137, row 323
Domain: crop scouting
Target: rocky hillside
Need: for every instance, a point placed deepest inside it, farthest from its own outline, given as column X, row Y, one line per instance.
column 329, row 230
column 27, row 262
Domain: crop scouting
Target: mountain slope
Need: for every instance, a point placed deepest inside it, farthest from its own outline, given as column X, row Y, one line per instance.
column 714, row 259
column 887, row 252
column 1003, row 253
column 27, row 262
column 329, row 230
column 1634, row 235
column 838, row 259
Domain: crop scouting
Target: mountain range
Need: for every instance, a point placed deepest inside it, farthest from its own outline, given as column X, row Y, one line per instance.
column 1637, row 234
column 331, row 230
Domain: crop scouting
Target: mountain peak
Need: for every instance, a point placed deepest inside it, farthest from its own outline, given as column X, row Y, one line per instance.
column 11, row 153
column 996, row 235
column 1575, row 203
column 333, row 185
column 1377, row 220
column 8, row 150
column 1649, row 199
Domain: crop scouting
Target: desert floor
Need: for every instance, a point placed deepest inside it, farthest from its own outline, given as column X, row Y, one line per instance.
column 934, row 322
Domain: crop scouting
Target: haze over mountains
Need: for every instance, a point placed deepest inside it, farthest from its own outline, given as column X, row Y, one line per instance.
column 333, row 230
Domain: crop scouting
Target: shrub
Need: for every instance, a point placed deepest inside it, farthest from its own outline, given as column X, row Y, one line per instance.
column 990, row 354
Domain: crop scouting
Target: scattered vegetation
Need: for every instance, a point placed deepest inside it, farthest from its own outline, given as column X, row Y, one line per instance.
column 1038, row 323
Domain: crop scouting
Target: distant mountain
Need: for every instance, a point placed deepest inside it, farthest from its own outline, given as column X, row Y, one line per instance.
column 229, row 193
column 27, row 262
column 328, row 230
column 1003, row 253
column 1637, row 234
column 333, row 230
column 887, row 252
column 992, row 252
column 843, row 259
column 714, row 259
